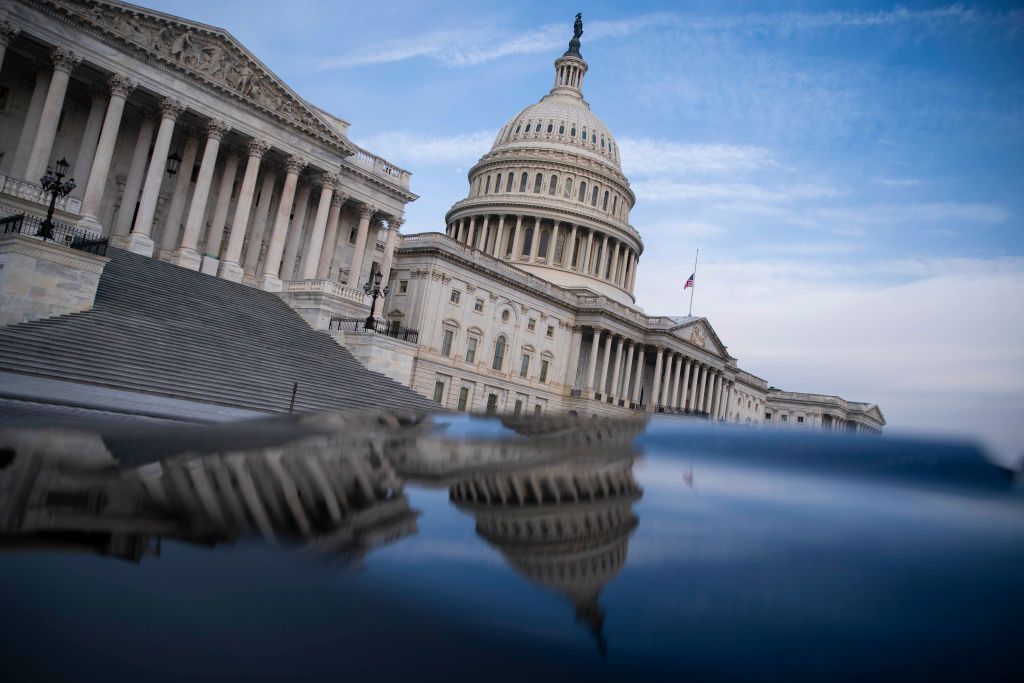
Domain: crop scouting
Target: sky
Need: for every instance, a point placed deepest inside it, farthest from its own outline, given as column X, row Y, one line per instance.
column 853, row 178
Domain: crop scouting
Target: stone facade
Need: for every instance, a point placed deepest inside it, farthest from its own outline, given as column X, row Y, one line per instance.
column 394, row 358
column 41, row 279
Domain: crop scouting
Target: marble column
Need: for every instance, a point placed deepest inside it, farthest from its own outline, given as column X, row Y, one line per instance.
column 366, row 211
column 569, row 249
column 583, row 263
column 517, row 240
column 221, row 208
column 133, row 181
column 8, row 32
column 499, row 238
column 28, row 128
column 64, row 62
column 591, row 369
column 702, row 391
column 230, row 268
column 685, row 385
column 394, row 225
column 480, row 238
column 120, row 88
column 258, row 224
column 728, row 401
column 269, row 280
column 712, row 394
column 330, row 248
column 656, row 387
column 315, row 244
column 617, row 368
column 666, row 387
column 294, row 243
column 627, row 372
column 602, row 383
column 187, row 255
column 674, row 396
column 535, row 244
column 694, row 382
column 638, row 385
column 139, row 241
column 90, row 136
column 179, row 197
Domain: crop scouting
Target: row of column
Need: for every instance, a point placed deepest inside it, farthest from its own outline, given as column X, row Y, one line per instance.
column 679, row 383
column 518, row 237
column 144, row 181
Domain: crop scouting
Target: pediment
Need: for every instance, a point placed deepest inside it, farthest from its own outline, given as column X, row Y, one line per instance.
column 700, row 334
column 206, row 54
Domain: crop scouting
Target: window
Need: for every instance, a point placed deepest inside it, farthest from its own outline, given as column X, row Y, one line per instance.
column 572, row 133
column 519, row 406
column 487, row 186
column 527, row 128
column 537, row 409
column 456, row 296
column 560, row 248
column 403, row 286
column 524, row 365
column 531, row 324
column 544, row 370
column 499, row 353
column 583, row 135
column 553, row 185
column 561, row 129
column 446, row 342
column 505, row 315
column 523, row 179
column 568, row 188
column 551, row 127
column 527, row 241
column 593, row 197
column 583, row 192
column 604, row 202
column 545, row 237
column 537, row 182
column 471, row 350
column 517, row 128
column 478, row 305
column 492, row 404
column 800, row 419
column 784, row 418
column 497, row 183
column 439, row 392
column 551, row 332
column 593, row 138
column 508, row 183
column 615, row 203
column 767, row 416
column 463, row 397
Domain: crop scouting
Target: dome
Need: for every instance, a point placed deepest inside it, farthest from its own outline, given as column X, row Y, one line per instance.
column 550, row 196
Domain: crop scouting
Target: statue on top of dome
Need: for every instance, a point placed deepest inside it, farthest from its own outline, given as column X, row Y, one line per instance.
column 577, row 31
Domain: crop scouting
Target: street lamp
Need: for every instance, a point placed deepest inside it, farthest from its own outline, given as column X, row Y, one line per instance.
column 173, row 163
column 372, row 288
column 53, row 182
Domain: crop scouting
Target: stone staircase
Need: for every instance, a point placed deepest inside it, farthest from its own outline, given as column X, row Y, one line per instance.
column 161, row 329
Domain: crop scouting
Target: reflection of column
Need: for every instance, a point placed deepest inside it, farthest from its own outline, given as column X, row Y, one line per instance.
column 574, row 356
column 220, row 210
column 230, row 268
column 8, row 33
column 140, row 241
column 260, row 216
column 187, row 255
column 269, row 281
column 394, row 224
column 656, row 387
column 133, row 181
column 294, row 242
column 172, row 220
column 28, row 128
column 315, row 244
column 90, row 137
column 639, row 382
column 362, row 233
column 323, row 269
column 591, row 368
column 64, row 62
column 120, row 88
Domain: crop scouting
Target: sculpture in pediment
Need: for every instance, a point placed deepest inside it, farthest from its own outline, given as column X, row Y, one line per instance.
column 698, row 336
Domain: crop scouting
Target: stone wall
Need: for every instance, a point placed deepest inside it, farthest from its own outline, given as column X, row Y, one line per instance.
column 42, row 279
column 380, row 353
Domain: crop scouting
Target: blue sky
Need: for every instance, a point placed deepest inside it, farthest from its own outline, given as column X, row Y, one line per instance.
column 854, row 178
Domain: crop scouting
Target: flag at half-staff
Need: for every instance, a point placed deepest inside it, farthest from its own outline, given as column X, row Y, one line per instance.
column 690, row 282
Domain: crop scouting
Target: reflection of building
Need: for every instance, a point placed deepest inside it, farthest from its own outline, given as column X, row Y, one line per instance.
column 565, row 525
column 338, row 502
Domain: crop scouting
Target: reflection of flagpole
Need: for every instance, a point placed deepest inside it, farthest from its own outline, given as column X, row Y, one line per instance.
column 694, row 287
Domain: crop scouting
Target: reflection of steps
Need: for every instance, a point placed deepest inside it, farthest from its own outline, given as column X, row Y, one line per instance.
column 162, row 329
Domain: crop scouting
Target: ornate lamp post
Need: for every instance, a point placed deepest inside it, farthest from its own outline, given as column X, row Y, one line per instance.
column 53, row 182
column 173, row 163
column 372, row 288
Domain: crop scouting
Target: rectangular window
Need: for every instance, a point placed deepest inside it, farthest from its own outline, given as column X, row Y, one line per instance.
column 492, row 399
column 524, row 365
column 767, row 416
column 471, row 350
column 537, row 410
column 463, row 397
column 478, row 305
column 531, row 325
column 446, row 342
column 456, row 296
column 800, row 419
column 551, row 332
column 439, row 392
column 519, row 407
column 352, row 236
column 403, row 286
column 784, row 418
column 544, row 371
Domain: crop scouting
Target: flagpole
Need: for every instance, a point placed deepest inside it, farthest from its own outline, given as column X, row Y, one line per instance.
column 692, row 289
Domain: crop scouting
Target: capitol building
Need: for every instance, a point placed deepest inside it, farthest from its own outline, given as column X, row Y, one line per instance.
column 186, row 149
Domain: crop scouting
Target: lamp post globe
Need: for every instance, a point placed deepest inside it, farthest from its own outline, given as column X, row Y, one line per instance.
column 373, row 289
column 54, row 184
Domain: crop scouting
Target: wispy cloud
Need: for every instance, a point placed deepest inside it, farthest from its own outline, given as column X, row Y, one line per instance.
column 647, row 157
column 410, row 148
column 678, row 191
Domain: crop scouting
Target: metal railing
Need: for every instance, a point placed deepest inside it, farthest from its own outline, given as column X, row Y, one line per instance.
column 389, row 328
column 74, row 238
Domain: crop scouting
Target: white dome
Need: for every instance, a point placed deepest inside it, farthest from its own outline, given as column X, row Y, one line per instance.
column 561, row 120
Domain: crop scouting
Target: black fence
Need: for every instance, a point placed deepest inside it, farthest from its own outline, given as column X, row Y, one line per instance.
column 61, row 233
column 390, row 328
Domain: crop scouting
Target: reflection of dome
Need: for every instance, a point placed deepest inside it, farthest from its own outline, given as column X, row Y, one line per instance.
column 565, row 526
column 550, row 195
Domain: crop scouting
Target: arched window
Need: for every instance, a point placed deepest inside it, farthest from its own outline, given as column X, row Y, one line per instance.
column 478, row 181
column 575, row 251
column 602, row 142
column 568, row 188
column 615, row 203
column 561, row 129
column 527, row 128
column 572, row 132
column 545, row 237
column 553, row 185
column 527, row 241
column 523, row 179
column 497, row 183
column 510, row 242
column 583, row 191
column 499, row 353
column 487, row 187
column 518, row 127
column 508, row 186
column 593, row 138
column 593, row 197
column 560, row 248
column 604, row 201
column 551, row 127
column 583, row 135
column 537, row 182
